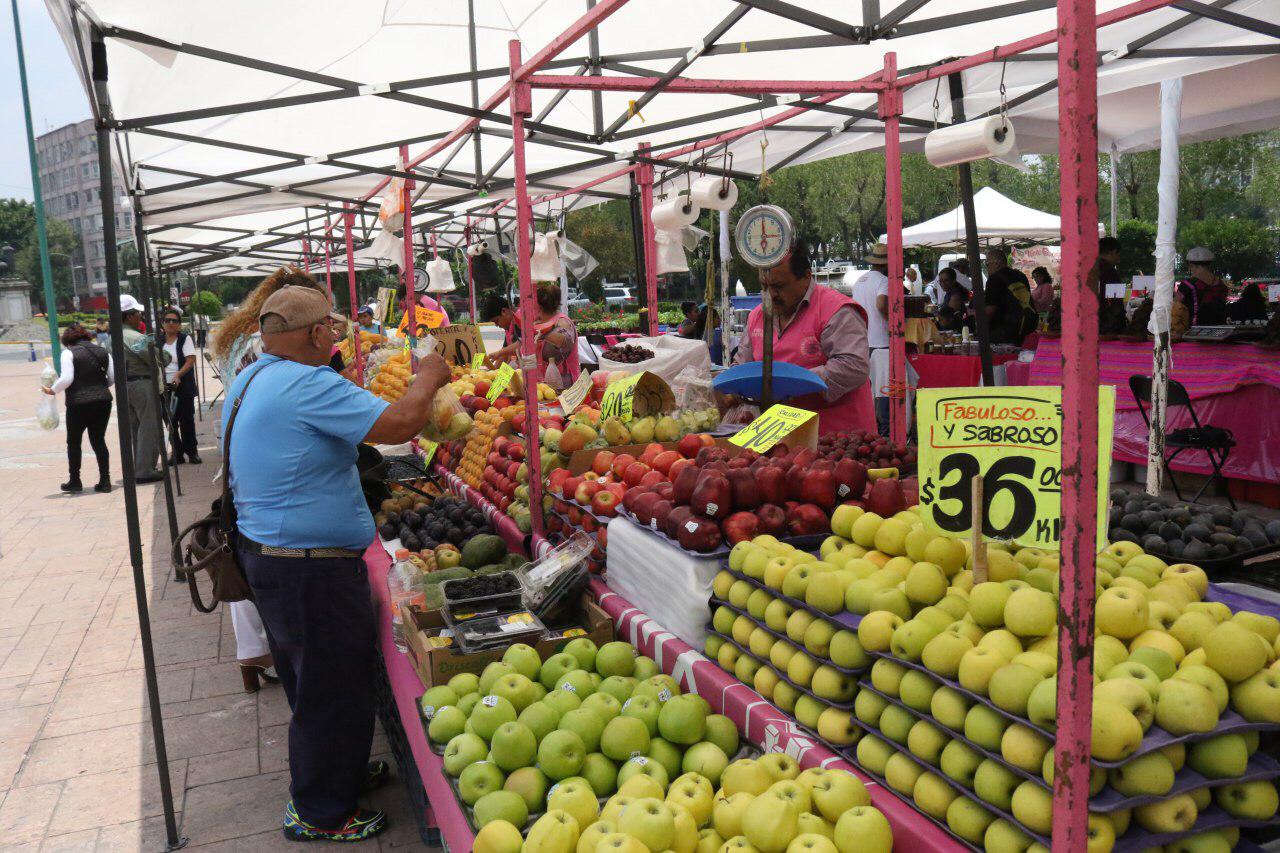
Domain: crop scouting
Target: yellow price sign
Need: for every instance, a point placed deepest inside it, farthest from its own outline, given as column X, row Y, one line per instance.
column 771, row 427
column 571, row 398
column 500, row 382
column 619, row 398
column 1012, row 439
column 428, row 451
column 422, row 317
column 477, row 361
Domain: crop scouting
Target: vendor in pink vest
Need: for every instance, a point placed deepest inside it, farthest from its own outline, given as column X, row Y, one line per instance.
column 556, row 340
column 819, row 329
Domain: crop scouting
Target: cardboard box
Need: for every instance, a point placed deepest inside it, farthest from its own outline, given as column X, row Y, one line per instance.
column 436, row 665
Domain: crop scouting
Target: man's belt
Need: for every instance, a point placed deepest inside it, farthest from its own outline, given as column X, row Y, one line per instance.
column 298, row 553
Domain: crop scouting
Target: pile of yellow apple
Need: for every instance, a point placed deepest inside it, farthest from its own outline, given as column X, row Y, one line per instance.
column 476, row 452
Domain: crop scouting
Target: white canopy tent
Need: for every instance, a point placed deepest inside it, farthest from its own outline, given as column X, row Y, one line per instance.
column 239, row 109
column 1000, row 220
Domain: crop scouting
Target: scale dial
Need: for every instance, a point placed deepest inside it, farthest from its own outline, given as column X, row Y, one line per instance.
column 764, row 236
column 420, row 280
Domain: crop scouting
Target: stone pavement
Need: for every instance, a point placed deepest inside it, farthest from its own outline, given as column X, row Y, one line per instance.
column 77, row 765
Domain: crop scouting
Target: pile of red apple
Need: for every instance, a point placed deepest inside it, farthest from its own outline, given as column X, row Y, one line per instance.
column 502, row 473
column 869, row 448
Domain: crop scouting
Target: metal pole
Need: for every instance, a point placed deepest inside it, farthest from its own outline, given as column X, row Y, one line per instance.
column 637, row 241
column 1078, row 147
column 471, row 279
column 163, row 422
column 644, row 177
column 195, row 297
column 99, row 53
column 766, row 357
column 890, row 111
column 521, row 109
column 348, row 222
column 1166, row 234
column 328, row 267
column 410, row 297
column 981, row 326
column 1113, row 162
column 42, row 235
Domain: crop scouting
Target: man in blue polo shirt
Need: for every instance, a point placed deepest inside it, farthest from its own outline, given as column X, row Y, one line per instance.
column 304, row 527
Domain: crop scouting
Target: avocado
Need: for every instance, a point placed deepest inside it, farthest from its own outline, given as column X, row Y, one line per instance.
column 482, row 550
column 514, row 561
column 438, row 577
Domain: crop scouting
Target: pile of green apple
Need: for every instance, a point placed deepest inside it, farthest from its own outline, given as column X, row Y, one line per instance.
column 764, row 805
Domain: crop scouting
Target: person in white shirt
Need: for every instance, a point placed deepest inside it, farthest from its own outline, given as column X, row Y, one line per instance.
column 871, row 291
column 912, row 281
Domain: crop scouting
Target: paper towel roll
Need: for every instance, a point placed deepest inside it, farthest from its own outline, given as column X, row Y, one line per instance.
column 707, row 192
column 972, row 140
column 675, row 213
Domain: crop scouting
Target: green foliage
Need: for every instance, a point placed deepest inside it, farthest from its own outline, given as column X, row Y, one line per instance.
column 206, row 302
column 1240, row 247
column 1137, row 247
column 17, row 220
column 63, row 242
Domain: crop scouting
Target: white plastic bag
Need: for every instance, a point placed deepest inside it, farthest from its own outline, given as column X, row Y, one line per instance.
column 671, row 257
column 47, row 412
column 440, row 275
column 671, row 355
column 48, row 376
column 544, row 264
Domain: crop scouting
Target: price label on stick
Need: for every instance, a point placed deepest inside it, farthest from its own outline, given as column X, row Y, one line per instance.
column 500, row 382
column 428, row 451
column 458, row 344
column 477, row 361
column 1012, row 439
column 619, row 398
column 771, row 427
column 571, row 398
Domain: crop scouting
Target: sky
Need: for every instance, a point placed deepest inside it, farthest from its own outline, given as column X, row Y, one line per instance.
column 57, row 98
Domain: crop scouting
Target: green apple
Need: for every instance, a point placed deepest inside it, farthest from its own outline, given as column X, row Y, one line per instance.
column 530, row 784
column 498, row 836
column 892, row 599
column 1011, row 685
column 1107, row 653
column 968, row 819
column 932, row 795
column 785, row 697
column 836, row 726
column 777, row 614
column 994, row 783
column 467, row 682
column 524, row 659
column 1185, row 707
column 513, row 746
column 833, row 685
column 667, row 754
column 1157, row 660
column 561, row 754
column 1191, row 628
column 977, row 668
column 1149, row 775
column 873, row 753
column 625, row 735
column 739, row 593
column 1175, row 814
column 1209, row 679
column 1031, row 612
column 868, row 707
column 901, row 773
column 491, row 712
column 926, row 741
column 916, row 690
column 985, row 727
column 1130, row 695
column 462, row 751
column 1042, row 704
column 1222, row 757
column 642, row 765
column 578, row 682
column 1138, row 672
column 745, row 775
column 987, row 602
column 644, row 708
column 516, row 689
column 817, row 638
column 1233, row 652
column 1248, row 800
column 490, row 676
column 727, row 813
column 944, row 652
column 1002, row 836
column 616, row 658
column 446, row 723
column 825, row 592
column 1032, row 806
column 949, row 707
column 1267, row 627
column 843, row 518
column 601, row 773
column 721, row 731
column 478, row 779
column 1116, row 732
column 909, row 639
column 553, row 668
column 925, row 584
column 1257, row 698
column 846, row 651
column 758, row 602
column 808, row 711
column 1024, row 747
column 638, row 785
column 1121, row 612
column 876, row 630
column 437, row 697
column 620, row 687
column 500, row 805
column 562, row 701
column 586, row 724
column 896, row 723
column 614, row 806
column 555, row 831
column 863, row 829
column 603, row 705
column 576, row 797
column 780, row 766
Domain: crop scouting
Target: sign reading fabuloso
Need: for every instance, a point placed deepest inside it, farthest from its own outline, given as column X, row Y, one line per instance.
column 1012, row 439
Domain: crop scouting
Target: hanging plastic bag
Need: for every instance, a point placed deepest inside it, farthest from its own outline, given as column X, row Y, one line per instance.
column 671, row 257
column 47, row 412
column 48, row 376
column 544, row 264
column 449, row 420
column 440, row 275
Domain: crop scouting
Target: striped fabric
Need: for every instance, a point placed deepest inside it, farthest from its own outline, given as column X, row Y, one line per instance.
column 1205, row 369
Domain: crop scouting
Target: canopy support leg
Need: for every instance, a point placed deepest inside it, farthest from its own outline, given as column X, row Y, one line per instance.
column 890, row 112
column 1162, row 295
column 644, row 175
column 972, row 252
column 348, row 222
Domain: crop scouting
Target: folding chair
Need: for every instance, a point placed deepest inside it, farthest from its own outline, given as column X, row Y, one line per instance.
column 1216, row 442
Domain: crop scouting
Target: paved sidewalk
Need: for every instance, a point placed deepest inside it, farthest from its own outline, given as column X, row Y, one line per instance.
column 77, row 765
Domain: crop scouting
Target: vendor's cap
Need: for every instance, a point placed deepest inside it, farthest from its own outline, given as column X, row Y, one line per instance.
column 1199, row 255
column 128, row 304
column 293, row 307
column 365, row 309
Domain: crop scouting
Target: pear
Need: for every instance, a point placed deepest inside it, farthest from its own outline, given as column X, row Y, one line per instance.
column 642, row 431
column 667, row 429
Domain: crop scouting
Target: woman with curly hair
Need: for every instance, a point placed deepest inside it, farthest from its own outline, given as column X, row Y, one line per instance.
column 236, row 345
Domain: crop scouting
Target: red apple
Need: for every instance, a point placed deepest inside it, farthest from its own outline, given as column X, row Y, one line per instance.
column 699, row 534
column 684, row 483
column 772, row 484
column 670, row 523
column 712, row 496
column 650, row 452
column 820, row 488
column 652, row 478
column 740, row 527
column 663, row 461
column 678, row 466
column 745, row 492
column 515, row 450
column 690, row 445
column 632, row 496
column 603, row 463
column 574, row 514
column 851, row 478
column 660, row 510
column 807, row 519
column 620, row 463
column 666, row 490
column 885, row 497
column 589, row 522
column 634, row 473
column 585, row 491
column 642, row 507
column 605, row 503
column 773, row 520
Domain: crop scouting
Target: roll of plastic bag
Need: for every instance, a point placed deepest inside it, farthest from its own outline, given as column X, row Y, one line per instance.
column 714, row 193
column 47, row 412
column 675, row 213
column 973, row 140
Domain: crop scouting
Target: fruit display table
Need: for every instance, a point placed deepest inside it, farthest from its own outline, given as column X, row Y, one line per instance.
column 1236, row 386
column 501, row 523
column 939, row 370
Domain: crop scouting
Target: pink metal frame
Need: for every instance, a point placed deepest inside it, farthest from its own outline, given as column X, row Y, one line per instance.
column 406, row 266
column 348, row 222
column 644, row 179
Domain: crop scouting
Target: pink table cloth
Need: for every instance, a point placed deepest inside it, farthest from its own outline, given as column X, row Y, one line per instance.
column 1236, row 386
column 952, row 371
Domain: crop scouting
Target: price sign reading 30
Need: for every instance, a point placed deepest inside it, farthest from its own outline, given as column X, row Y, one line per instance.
column 1012, row 439
column 772, row 426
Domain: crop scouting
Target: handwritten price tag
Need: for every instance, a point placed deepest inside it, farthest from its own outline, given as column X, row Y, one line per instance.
column 477, row 361
column 571, row 398
column 1012, row 439
column 500, row 382
column 770, row 428
column 428, row 451
column 619, row 398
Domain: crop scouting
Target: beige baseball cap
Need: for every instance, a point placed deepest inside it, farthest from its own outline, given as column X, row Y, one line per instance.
column 294, row 307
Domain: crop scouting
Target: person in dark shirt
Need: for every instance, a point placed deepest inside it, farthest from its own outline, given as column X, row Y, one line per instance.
column 952, row 313
column 1203, row 292
column 1008, row 298
column 1251, row 305
column 1108, row 262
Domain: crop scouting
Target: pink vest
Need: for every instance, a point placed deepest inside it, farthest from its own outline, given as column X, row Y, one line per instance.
column 800, row 345
column 570, row 367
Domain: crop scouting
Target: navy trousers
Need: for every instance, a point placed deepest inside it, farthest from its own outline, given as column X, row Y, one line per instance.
column 320, row 627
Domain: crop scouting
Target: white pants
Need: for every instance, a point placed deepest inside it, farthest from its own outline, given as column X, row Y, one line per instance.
column 251, row 637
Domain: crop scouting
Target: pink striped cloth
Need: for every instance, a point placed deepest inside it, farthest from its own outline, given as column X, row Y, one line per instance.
column 1205, row 369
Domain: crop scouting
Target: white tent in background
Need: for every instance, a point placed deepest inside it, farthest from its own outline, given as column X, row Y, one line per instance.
column 1000, row 219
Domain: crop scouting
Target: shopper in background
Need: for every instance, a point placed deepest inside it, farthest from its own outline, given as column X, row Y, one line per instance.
column 102, row 331
column 819, row 329
column 367, row 323
column 304, row 528
column 557, row 340
column 142, row 364
column 86, row 373
column 1108, row 263
column 180, row 388
column 236, row 345
column 690, row 311
column 871, row 291
column 1251, row 305
column 912, row 282
column 1010, row 317
column 1042, row 294
column 1203, row 292
column 497, row 310
column 953, row 314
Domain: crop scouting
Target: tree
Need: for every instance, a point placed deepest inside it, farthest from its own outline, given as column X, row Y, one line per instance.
column 63, row 242
column 17, row 220
column 206, row 302
column 1137, row 247
column 604, row 232
column 1240, row 247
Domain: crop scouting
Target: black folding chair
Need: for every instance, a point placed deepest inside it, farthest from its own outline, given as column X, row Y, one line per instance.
column 1216, row 442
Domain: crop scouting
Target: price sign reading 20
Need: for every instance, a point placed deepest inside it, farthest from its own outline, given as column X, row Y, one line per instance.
column 1012, row 439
